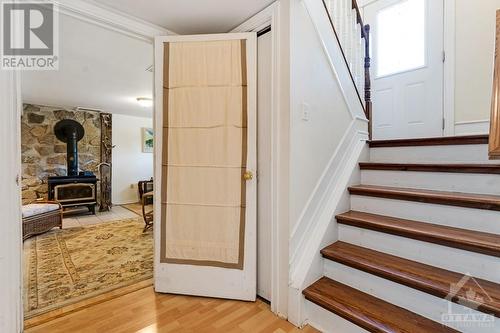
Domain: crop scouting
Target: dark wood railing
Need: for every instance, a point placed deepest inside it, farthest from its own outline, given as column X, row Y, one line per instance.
column 365, row 36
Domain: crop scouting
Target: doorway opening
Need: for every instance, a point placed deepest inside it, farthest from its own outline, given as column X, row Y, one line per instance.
column 87, row 161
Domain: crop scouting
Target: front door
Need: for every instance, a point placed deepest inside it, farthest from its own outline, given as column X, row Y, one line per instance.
column 205, row 162
column 407, row 49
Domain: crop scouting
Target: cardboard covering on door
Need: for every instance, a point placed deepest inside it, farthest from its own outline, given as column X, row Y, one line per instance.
column 204, row 153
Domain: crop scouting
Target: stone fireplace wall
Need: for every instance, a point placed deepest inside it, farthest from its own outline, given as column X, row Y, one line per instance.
column 43, row 155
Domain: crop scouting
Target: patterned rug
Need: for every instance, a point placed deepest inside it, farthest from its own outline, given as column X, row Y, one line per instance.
column 67, row 266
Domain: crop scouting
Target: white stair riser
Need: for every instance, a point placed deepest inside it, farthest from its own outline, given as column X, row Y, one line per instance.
column 328, row 322
column 432, row 154
column 460, row 261
column 443, row 181
column 413, row 300
column 458, row 217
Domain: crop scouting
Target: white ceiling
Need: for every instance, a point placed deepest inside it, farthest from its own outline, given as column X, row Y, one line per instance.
column 99, row 68
column 191, row 16
column 104, row 69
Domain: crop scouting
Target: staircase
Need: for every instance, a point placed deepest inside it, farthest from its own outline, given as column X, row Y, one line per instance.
column 420, row 246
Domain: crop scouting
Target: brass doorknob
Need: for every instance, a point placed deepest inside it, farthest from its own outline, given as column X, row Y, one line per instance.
column 248, row 175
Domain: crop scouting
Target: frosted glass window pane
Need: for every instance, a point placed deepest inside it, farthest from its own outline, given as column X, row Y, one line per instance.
column 401, row 37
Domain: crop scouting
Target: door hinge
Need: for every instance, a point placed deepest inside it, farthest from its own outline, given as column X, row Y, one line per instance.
column 444, row 56
column 17, row 179
column 444, row 123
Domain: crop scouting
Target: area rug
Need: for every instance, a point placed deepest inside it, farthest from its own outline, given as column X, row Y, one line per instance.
column 63, row 267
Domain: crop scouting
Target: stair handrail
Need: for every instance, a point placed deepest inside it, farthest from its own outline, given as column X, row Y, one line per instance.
column 366, row 60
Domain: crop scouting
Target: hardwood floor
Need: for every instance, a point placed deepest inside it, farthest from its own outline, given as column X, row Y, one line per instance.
column 147, row 312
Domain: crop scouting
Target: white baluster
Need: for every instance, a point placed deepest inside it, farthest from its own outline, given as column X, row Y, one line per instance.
column 337, row 15
column 347, row 29
column 357, row 61
column 354, row 42
column 328, row 4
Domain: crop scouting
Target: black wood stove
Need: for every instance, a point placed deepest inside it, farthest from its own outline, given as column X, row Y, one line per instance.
column 77, row 188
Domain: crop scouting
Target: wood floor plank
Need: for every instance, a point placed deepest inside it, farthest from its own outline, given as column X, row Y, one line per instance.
column 426, row 278
column 367, row 311
column 469, row 200
column 146, row 311
column 475, row 241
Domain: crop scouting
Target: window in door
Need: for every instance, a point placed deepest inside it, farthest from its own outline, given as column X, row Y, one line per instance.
column 401, row 37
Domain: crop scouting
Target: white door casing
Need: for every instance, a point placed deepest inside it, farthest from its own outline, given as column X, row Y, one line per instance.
column 409, row 102
column 10, row 203
column 264, row 158
column 205, row 280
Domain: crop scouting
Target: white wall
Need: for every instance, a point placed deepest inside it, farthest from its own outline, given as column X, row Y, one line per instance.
column 475, row 40
column 328, row 131
column 130, row 164
column 313, row 83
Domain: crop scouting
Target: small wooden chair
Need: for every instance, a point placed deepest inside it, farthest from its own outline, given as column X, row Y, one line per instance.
column 147, row 215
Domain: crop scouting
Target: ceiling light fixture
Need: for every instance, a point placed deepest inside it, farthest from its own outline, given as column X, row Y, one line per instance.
column 145, row 102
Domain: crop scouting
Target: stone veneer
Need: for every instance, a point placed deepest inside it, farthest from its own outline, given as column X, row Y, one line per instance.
column 43, row 155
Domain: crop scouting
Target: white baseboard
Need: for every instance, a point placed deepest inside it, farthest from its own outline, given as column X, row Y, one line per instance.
column 472, row 127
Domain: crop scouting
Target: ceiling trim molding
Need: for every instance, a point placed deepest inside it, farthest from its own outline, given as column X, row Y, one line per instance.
column 104, row 16
column 259, row 21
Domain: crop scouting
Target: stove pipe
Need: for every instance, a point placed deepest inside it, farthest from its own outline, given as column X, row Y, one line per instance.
column 70, row 132
column 72, row 153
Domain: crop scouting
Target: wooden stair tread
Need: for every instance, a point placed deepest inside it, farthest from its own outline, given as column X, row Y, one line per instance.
column 367, row 311
column 451, row 168
column 426, row 278
column 439, row 141
column 475, row 241
column 470, row 200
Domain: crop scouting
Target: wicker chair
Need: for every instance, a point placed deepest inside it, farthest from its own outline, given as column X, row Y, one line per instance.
column 38, row 219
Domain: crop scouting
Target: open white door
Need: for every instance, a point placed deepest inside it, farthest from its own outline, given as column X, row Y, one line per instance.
column 205, row 159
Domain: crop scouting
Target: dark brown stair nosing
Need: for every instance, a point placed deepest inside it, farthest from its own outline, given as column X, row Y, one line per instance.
column 450, row 168
column 468, row 200
column 437, row 141
column 429, row 279
column 469, row 240
column 367, row 311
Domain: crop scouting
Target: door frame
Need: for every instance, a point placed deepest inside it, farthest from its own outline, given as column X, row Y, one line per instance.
column 11, row 312
column 271, row 17
column 449, row 39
